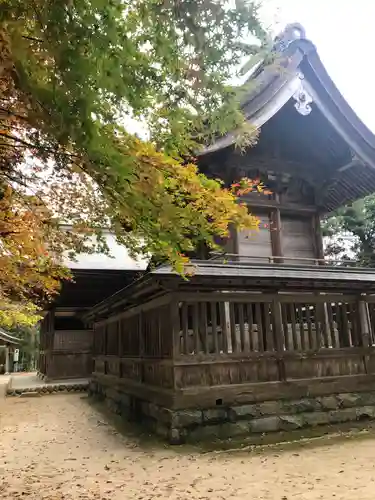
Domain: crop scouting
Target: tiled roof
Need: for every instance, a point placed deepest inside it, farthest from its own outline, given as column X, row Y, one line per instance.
column 6, row 337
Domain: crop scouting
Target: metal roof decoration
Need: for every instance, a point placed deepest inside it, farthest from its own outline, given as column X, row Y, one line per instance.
column 7, row 338
column 301, row 78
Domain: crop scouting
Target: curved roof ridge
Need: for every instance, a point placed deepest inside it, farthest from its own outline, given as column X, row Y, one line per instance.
column 301, row 68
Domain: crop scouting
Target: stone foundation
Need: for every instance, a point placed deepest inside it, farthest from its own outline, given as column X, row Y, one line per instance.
column 222, row 422
column 48, row 389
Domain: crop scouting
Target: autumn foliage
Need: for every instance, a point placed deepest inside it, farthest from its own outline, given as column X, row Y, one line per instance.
column 72, row 74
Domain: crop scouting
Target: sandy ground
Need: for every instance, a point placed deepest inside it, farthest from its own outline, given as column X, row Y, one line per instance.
column 59, row 447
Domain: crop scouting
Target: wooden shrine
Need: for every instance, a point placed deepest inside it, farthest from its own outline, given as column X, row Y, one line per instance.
column 65, row 350
column 271, row 337
column 65, row 340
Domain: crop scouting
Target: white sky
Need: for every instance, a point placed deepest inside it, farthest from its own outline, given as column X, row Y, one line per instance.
column 119, row 259
column 342, row 31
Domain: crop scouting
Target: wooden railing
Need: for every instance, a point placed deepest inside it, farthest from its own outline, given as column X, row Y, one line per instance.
column 187, row 340
column 243, row 323
column 241, row 338
column 282, row 259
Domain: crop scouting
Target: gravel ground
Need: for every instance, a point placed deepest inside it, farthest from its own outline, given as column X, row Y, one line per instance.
column 60, row 447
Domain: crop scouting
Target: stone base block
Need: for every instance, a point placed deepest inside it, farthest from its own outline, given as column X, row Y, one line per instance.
column 221, row 422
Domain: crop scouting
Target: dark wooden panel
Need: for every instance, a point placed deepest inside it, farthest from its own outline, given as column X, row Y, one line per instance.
column 113, row 367
column 211, row 374
column 256, row 243
column 99, row 335
column 297, row 237
column 158, row 374
column 184, row 345
column 74, row 340
column 64, row 365
column 316, row 366
column 206, row 397
column 112, row 338
column 99, row 365
column 130, row 335
column 158, row 395
column 369, row 360
column 131, row 369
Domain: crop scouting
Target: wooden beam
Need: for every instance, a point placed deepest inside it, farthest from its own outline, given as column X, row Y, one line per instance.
column 276, row 235
column 365, row 330
column 284, row 207
column 156, row 394
column 152, row 303
column 279, row 337
column 317, row 235
column 364, row 321
column 235, row 242
column 238, row 394
column 296, row 297
column 174, row 323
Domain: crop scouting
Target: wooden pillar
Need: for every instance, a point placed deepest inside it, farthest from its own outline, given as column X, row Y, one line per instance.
column 32, row 357
column 118, row 324
column 325, row 327
column 175, row 335
column 275, row 230
column 7, row 362
column 318, row 238
column 365, row 330
column 174, row 332
column 233, row 243
column 50, row 343
column 364, row 321
column 279, row 337
column 105, row 339
column 228, row 329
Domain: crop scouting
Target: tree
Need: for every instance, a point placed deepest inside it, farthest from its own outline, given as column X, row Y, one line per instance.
column 351, row 233
column 29, row 345
column 72, row 74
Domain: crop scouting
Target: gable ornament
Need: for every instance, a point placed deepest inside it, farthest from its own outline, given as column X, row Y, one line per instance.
column 303, row 99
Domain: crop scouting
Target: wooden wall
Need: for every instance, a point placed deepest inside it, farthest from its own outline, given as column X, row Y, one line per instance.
column 65, row 353
column 137, row 346
column 173, row 349
column 289, row 231
column 297, row 237
column 257, row 243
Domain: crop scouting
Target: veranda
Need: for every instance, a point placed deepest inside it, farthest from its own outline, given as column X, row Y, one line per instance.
column 239, row 348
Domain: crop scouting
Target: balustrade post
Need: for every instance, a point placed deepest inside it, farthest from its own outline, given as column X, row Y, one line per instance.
column 323, row 335
column 365, row 330
column 279, row 337
column 175, row 327
column 325, row 326
column 228, row 329
column 364, row 321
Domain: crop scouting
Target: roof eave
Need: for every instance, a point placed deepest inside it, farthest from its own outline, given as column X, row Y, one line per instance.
column 305, row 62
column 6, row 337
column 336, row 110
column 275, row 87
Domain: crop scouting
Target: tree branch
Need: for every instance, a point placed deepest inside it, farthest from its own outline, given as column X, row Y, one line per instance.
column 32, row 38
column 9, row 112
